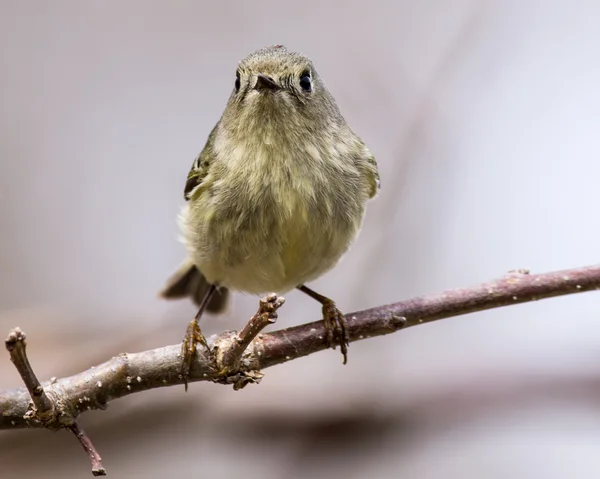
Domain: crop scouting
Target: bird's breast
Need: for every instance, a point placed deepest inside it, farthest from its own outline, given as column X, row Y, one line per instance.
column 271, row 220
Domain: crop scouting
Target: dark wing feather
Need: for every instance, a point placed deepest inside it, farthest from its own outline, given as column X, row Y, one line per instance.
column 200, row 167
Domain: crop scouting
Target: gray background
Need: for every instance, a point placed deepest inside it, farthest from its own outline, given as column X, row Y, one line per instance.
column 484, row 118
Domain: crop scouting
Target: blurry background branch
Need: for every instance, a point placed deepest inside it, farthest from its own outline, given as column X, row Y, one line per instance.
column 130, row 373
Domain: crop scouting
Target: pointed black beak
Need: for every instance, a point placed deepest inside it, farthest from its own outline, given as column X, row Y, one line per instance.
column 265, row 83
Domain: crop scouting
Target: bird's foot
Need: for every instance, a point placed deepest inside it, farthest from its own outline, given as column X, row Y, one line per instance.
column 336, row 327
column 189, row 345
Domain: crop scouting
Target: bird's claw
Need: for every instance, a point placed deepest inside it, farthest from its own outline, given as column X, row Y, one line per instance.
column 336, row 327
column 189, row 345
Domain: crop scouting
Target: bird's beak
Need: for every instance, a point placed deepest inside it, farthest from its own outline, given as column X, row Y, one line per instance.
column 265, row 83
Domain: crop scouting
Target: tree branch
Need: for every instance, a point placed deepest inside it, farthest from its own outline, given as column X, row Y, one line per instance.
column 266, row 314
column 88, row 447
column 17, row 348
column 43, row 407
column 240, row 358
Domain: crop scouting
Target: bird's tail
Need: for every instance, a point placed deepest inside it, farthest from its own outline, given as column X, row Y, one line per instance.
column 188, row 281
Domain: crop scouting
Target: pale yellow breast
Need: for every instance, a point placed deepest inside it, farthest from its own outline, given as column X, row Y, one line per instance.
column 270, row 220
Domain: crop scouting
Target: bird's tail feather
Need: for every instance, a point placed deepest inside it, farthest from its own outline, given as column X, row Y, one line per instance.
column 188, row 281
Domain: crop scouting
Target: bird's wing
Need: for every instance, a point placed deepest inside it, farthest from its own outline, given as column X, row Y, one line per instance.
column 373, row 174
column 200, row 167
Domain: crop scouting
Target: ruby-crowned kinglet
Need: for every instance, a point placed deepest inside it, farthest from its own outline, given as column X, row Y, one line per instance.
column 278, row 193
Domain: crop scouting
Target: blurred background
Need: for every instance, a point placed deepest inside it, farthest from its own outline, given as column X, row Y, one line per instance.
column 484, row 118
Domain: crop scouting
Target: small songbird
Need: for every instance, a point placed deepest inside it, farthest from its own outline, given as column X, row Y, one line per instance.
column 276, row 196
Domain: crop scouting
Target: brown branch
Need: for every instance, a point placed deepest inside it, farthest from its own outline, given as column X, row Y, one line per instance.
column 266, row 314
column 43, row 406
column 17, row 348
column 130, row 373
column 90, row 450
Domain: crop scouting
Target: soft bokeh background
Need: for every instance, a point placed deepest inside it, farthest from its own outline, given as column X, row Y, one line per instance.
column 484, row 117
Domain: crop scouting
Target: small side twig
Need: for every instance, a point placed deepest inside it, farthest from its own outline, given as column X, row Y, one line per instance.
column 43, row 406
column 16, row 346
column 266, row 314
column 88, row 447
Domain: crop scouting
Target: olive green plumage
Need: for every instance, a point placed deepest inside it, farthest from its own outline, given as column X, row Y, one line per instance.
column 279, row 191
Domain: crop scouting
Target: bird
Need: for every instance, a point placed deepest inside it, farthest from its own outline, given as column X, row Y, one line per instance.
column 276, row 196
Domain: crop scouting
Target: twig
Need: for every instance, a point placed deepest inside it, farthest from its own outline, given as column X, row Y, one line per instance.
column 17, row 348
column 43, row 406
column 266, row 314
column 130, row 373
column 90, row 450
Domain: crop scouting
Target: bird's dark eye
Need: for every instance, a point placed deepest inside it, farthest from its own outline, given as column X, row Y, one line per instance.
column 305, row 81
column 237, row 81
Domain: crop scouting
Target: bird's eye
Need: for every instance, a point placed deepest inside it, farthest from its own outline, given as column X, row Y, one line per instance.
column 237, row 81
column 305, row 81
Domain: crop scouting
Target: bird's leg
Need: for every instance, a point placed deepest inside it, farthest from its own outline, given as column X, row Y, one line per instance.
column 334, row 321
column 193, row 336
